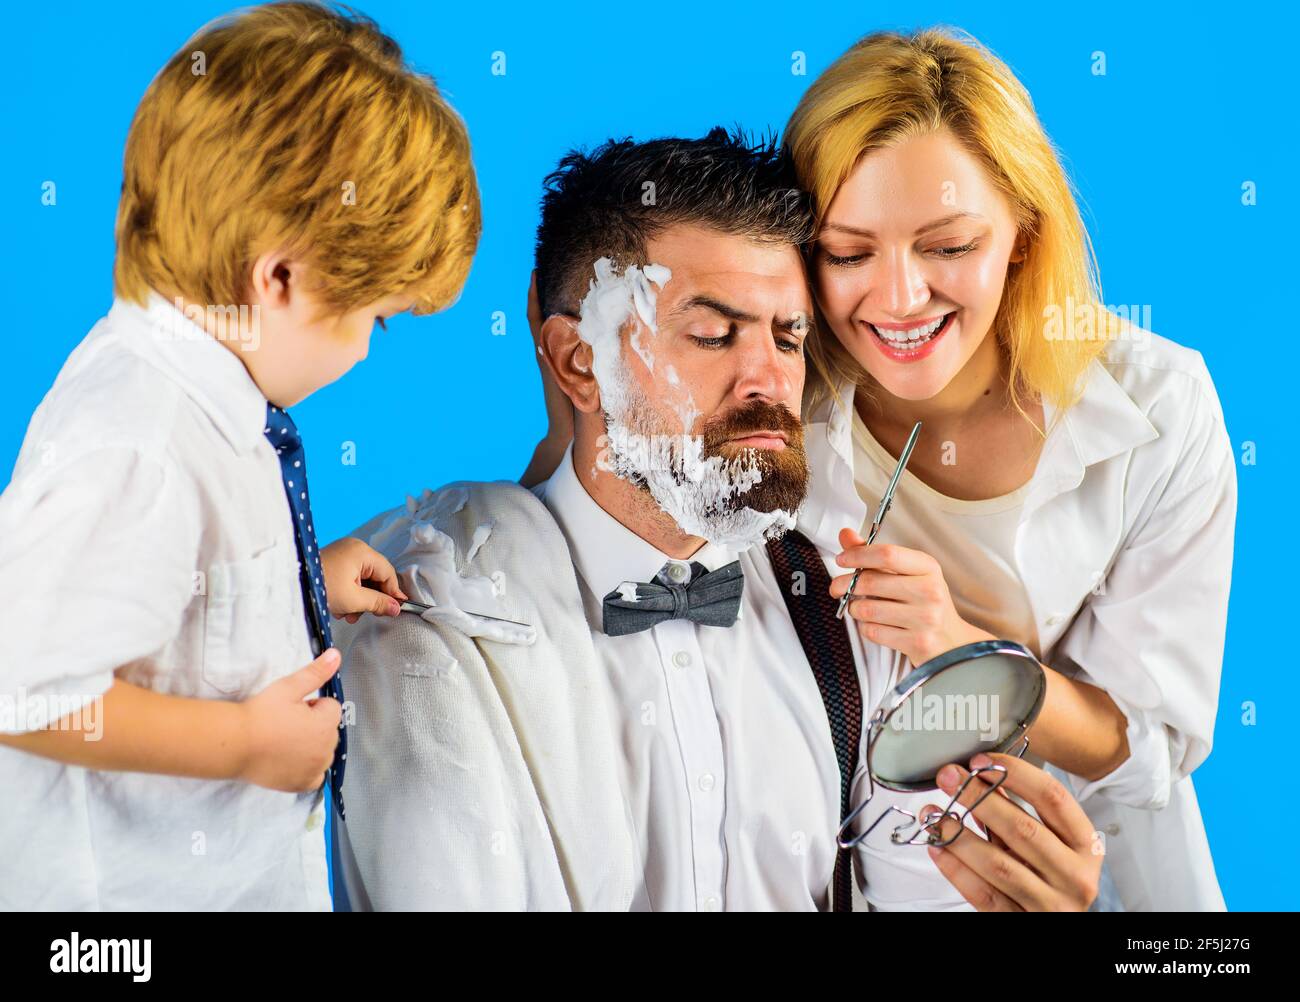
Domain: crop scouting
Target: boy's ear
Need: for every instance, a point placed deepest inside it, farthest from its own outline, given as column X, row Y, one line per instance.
column 274, row 279
column 569, row 359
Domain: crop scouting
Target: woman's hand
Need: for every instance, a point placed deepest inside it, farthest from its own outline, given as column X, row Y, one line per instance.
column 349, row 563
column 905, row 605
column 559, row 409
column 1026, row 864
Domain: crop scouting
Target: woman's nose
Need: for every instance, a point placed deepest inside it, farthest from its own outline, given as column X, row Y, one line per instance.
column 900, row 286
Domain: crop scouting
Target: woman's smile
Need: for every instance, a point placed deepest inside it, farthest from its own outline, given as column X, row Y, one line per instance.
column 910, row 342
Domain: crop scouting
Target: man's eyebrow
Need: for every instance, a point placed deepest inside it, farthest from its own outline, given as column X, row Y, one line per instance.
column 932, row 225
column 790, row 326
column 717, row 306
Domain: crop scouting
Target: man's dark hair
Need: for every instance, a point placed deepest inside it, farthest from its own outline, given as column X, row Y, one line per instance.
column 610, row 202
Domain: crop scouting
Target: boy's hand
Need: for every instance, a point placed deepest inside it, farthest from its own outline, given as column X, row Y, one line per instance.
column 348, row 564
column 290, row 740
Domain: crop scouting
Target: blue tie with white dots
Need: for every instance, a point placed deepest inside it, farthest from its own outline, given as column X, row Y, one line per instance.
column 283, row 435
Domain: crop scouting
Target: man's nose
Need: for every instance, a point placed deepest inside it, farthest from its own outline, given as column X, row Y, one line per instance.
column 900, row 286
column 764, row 371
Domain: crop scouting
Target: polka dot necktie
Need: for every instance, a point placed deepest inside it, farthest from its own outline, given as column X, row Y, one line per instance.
column 283, row 435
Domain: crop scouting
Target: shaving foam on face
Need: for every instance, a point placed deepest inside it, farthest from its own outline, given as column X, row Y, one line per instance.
column 700, row 494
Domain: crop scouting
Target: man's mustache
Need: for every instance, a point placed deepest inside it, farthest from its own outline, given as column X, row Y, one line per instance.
column 751, row 419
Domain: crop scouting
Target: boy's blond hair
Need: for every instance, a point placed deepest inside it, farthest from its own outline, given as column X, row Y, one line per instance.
column 300, row 128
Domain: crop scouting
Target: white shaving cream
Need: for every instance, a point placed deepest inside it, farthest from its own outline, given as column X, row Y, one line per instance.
column 699, row 493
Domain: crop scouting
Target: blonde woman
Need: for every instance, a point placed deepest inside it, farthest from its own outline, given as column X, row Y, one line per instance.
column 1073, row 489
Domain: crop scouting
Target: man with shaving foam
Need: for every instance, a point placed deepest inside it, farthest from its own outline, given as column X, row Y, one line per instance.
column 608, row 705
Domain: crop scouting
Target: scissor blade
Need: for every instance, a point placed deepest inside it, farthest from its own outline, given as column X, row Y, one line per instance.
column 419, row 609
column 885, row 503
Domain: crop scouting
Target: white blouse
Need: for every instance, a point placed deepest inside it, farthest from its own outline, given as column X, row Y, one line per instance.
column 974, row 541
column 1124, row 546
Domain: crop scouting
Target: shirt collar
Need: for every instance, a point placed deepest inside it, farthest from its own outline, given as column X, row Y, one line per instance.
column 210, row 375
column 605, row 552
column 1103, row 423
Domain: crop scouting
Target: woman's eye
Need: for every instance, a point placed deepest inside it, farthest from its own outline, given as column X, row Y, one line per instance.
column 843, row 261
column 954, row 251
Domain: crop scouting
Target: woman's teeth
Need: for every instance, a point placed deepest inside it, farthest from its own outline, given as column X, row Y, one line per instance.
column 913, row 337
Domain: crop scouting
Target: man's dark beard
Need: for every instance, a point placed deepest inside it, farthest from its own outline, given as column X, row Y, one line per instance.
column 785, row 471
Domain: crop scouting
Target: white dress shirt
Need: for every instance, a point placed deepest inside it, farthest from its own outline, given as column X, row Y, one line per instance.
column 727, row 761
column 145, row 536
column 1124, row 548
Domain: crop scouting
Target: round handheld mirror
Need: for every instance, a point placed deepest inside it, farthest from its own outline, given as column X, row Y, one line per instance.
column 979, row 697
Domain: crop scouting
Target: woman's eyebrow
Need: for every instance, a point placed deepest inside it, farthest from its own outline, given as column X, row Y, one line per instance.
column 921, row 231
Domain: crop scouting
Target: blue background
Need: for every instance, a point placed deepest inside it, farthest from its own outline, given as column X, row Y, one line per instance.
column 1192, row 105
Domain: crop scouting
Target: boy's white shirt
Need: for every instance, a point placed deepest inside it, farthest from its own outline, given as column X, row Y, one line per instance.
column 1125, row 549
column 145, row 535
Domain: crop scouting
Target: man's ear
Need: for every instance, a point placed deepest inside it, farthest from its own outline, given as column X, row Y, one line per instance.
column 569, row 359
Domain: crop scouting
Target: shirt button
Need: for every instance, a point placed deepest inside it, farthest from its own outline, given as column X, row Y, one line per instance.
column 706, row 782
column 1111, row 829
column 682, row 660
column 314, row 820
column 1053, row 619
column 677, row 572
column 710, row 904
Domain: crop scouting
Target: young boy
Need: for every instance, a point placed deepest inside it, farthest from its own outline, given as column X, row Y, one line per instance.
column 288, row 180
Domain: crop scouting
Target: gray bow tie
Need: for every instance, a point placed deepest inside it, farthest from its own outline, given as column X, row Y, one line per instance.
column 711, row 599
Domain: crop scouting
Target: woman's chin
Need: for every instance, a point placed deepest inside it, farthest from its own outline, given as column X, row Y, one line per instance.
column 915, row 382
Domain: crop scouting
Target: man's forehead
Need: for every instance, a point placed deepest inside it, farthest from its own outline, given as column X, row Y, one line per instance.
column 768, row 285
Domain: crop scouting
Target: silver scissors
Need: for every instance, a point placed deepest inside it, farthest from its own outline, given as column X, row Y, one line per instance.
column 881, row 512
column 419, row 609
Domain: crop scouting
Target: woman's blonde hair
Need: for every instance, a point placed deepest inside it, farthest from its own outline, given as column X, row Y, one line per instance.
column 296, row 127
column 889, row 87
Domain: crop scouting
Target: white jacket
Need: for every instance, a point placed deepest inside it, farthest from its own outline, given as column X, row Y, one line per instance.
column 481, row 773
column 1134, row 498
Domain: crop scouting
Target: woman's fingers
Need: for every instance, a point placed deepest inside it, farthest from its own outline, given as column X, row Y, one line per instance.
column 887, row 557
column 1054, row 803
column 970, row 885
column 1023, row 835
column 877, row 584
column 999, row 868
